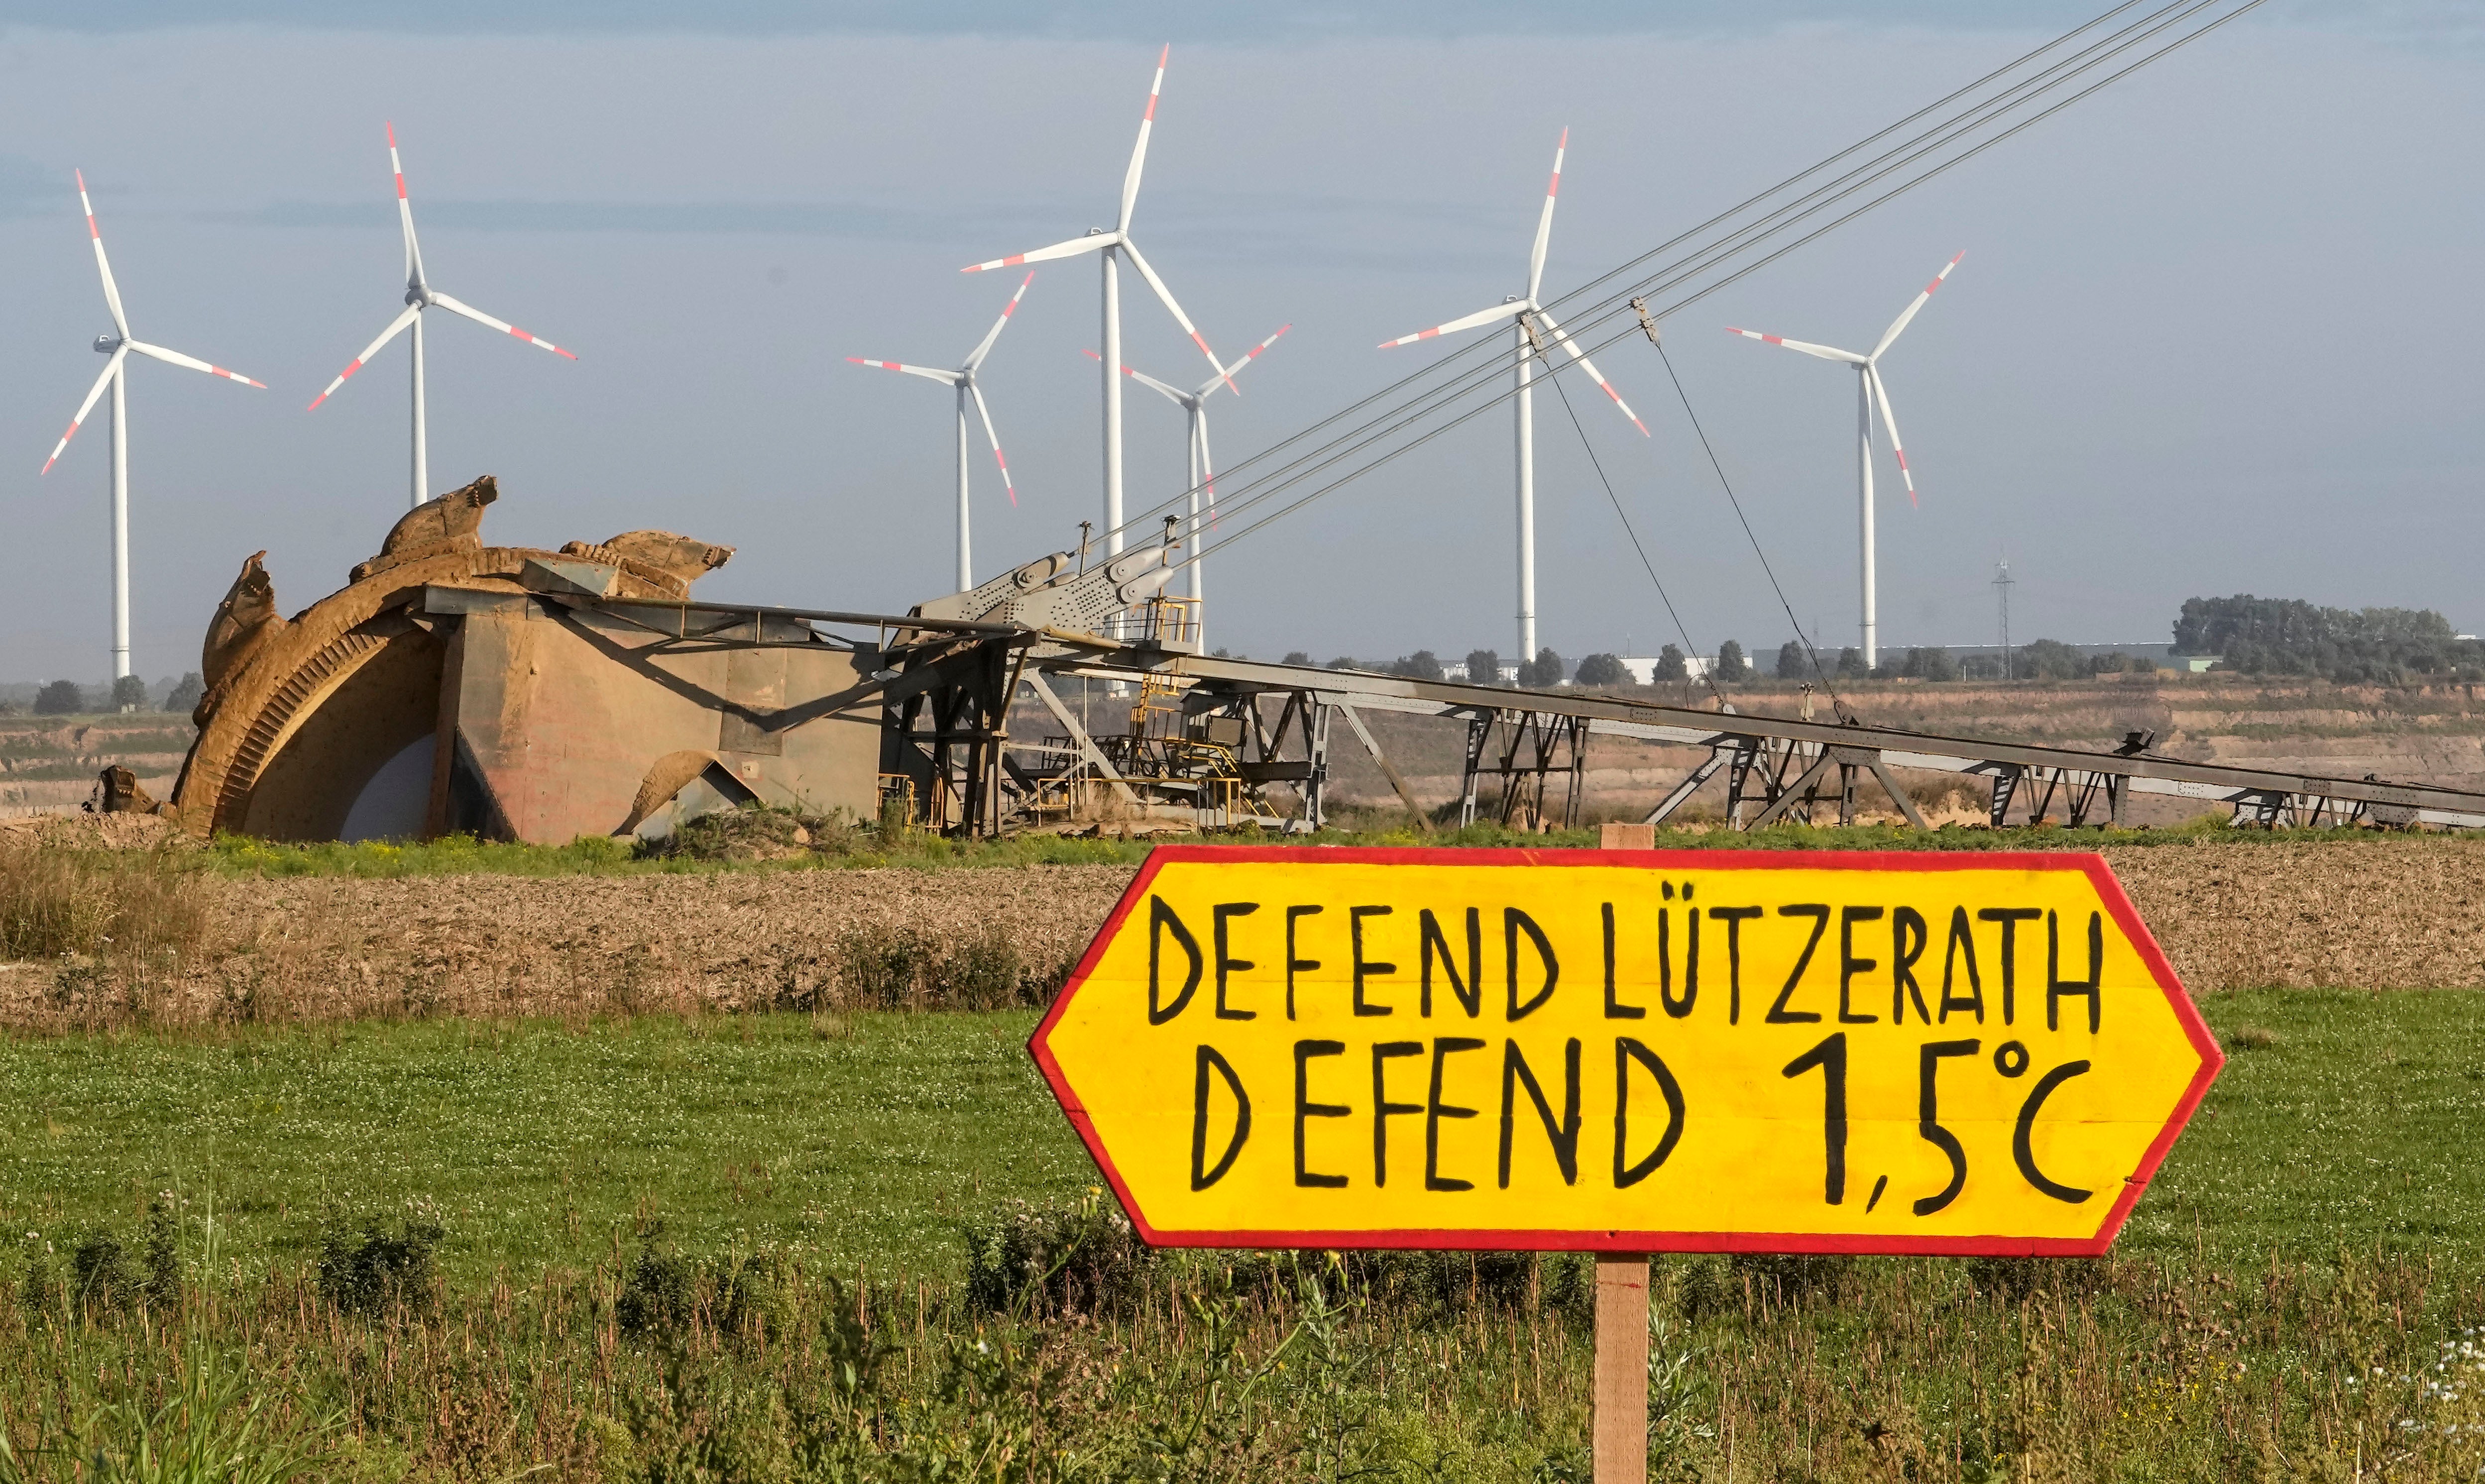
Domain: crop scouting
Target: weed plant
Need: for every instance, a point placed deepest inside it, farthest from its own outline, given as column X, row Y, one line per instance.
column 649, row 1366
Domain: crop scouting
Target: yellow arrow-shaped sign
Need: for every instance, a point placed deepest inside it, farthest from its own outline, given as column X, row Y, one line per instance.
column 1628, row 1051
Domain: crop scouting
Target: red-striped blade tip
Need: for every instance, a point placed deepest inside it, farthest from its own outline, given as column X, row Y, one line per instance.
column 390, row 126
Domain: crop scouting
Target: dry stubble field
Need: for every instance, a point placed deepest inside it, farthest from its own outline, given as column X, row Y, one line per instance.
column 2403, row 913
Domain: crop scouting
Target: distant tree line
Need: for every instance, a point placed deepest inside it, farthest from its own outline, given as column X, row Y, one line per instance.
column 2254, row 635
column 68, row 699
column 2290, row 636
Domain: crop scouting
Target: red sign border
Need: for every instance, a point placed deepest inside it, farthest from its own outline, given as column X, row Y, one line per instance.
column 2101, row 876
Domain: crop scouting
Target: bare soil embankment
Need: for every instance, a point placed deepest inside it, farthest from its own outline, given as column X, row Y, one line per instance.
column 2378, row 914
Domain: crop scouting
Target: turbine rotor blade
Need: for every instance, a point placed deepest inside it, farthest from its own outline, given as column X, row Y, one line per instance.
column 1248, row 356
column 1890, row 420
column 1908, row 313
column 110, row 367
column 405, row 317
column 1165, row 295
column 1544, row 221
column 1824, row 352
column 985, row 347
column 1479, row 317
column 1094, row 241
column 1563, row 338
column 102, row 264
column 1145, row 380
column 1139, row 150
column 175, row 357
column 994, row 439
column 945, row 378
column 404, row 214
column 454, row 306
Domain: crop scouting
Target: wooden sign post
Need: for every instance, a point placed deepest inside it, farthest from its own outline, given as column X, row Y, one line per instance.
column 1618, row 1389
column 1626, row 1051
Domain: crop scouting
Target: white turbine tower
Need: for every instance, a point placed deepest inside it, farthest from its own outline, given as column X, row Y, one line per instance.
column 962, row 379
column 420, row 296
column 1537, row 332
column 1203, row 468
column 117, row 345
column 1110, row 246
column 1869, row 393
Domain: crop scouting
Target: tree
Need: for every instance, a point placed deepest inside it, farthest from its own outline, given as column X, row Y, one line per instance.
column 2049, row 660
column 1852, row 666
column 185, row 696
column 1543, row 672
column 128, row 693
column 1730, row 663
column 1670, row 665
column 1602, row 670
column 2289, row 636
column 1484, row 667
column 1934, row 663
column 1344, row 662
column 1298, row 656
column 1791, row 664
column 59, row 698
column 1422, row 664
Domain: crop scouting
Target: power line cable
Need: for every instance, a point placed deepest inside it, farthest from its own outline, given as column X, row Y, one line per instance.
column 1688, row 648
column 1836, row 700
column 1484, row 346
column 1347, row 446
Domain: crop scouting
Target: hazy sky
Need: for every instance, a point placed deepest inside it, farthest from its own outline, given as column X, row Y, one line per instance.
column 2214, row 330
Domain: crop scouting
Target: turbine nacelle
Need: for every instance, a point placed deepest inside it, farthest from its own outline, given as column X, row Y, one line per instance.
column 108, row 342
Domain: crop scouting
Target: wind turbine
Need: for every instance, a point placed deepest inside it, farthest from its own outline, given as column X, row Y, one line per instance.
column 1534, row 329
column 962, row 379
column 117, row 345
column 420, row 296
column 1868, row 392
column 1109, row 246
column 1203, row 469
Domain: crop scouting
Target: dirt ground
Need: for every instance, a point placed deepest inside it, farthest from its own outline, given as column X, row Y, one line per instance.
column 2390, row 914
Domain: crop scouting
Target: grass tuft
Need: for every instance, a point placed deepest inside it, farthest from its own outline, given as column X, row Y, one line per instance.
column 132, row 907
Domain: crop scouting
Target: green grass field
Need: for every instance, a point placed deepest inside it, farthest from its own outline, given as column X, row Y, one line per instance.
column 871, row 1141
column 2288, row 1301
column 590, row 855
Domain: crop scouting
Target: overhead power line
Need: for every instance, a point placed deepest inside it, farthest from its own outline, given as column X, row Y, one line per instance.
column 1457, row 388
